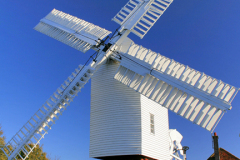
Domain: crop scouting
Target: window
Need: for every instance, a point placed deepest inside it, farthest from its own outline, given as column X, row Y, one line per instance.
column 152, row 128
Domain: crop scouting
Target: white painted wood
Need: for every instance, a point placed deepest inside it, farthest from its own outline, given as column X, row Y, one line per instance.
column 185, row 105
column 179, row 101
column 156, row 90
column 190, row 77
column 115, row 125
column 154, row 145
column 120, row 118
column 46, row 116
column 71, row 30
column 166, row 94
column 214, row 119
column 191, row 108
column 172, row 96
column 156, row 77
column 151, row 88
column 140, row 15
column 175, row 100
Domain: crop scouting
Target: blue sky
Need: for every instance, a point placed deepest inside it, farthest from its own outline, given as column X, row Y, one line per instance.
column 202, row 34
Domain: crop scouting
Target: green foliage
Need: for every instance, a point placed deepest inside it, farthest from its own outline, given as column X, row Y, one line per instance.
column 2, row 143
column 36, row 154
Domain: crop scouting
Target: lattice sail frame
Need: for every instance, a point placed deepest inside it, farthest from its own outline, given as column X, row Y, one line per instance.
column 157, row 77
column 139, row 16
column 71, row 30
column 80, row 35
column 39, row 124
column 189, row 93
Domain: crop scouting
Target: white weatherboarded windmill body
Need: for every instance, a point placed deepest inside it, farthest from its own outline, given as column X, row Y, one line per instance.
column 146, row 78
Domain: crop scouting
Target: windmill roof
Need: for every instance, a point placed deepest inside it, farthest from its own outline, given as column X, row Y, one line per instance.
column 224, row 155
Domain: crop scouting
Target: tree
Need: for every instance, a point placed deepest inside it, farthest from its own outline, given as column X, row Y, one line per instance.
column 2, row 143
column 36, row 154
column 49, row 156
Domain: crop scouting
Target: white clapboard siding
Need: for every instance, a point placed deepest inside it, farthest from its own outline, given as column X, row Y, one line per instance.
column 187, row 92
column 154, row 145
column 115, row 124
column 71, row 30
column 139, row 15
column 39, row 124
column 120, row 119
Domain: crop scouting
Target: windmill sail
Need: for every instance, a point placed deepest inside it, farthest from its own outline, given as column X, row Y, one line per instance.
column 39, row 124
column 71, row 30
column 191, row 94
column 140, row 15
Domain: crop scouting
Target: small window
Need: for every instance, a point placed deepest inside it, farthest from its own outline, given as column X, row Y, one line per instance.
column 152, row 127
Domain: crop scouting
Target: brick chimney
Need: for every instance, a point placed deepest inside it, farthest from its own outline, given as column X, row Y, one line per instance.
column 216, row 149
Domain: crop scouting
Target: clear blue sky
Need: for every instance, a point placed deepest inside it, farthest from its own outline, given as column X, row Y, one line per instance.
column 204, row 34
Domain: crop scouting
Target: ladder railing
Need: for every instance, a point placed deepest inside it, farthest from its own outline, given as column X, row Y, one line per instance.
column 39, row 124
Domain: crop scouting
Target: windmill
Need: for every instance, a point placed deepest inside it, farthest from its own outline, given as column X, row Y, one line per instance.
column 129, row 57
